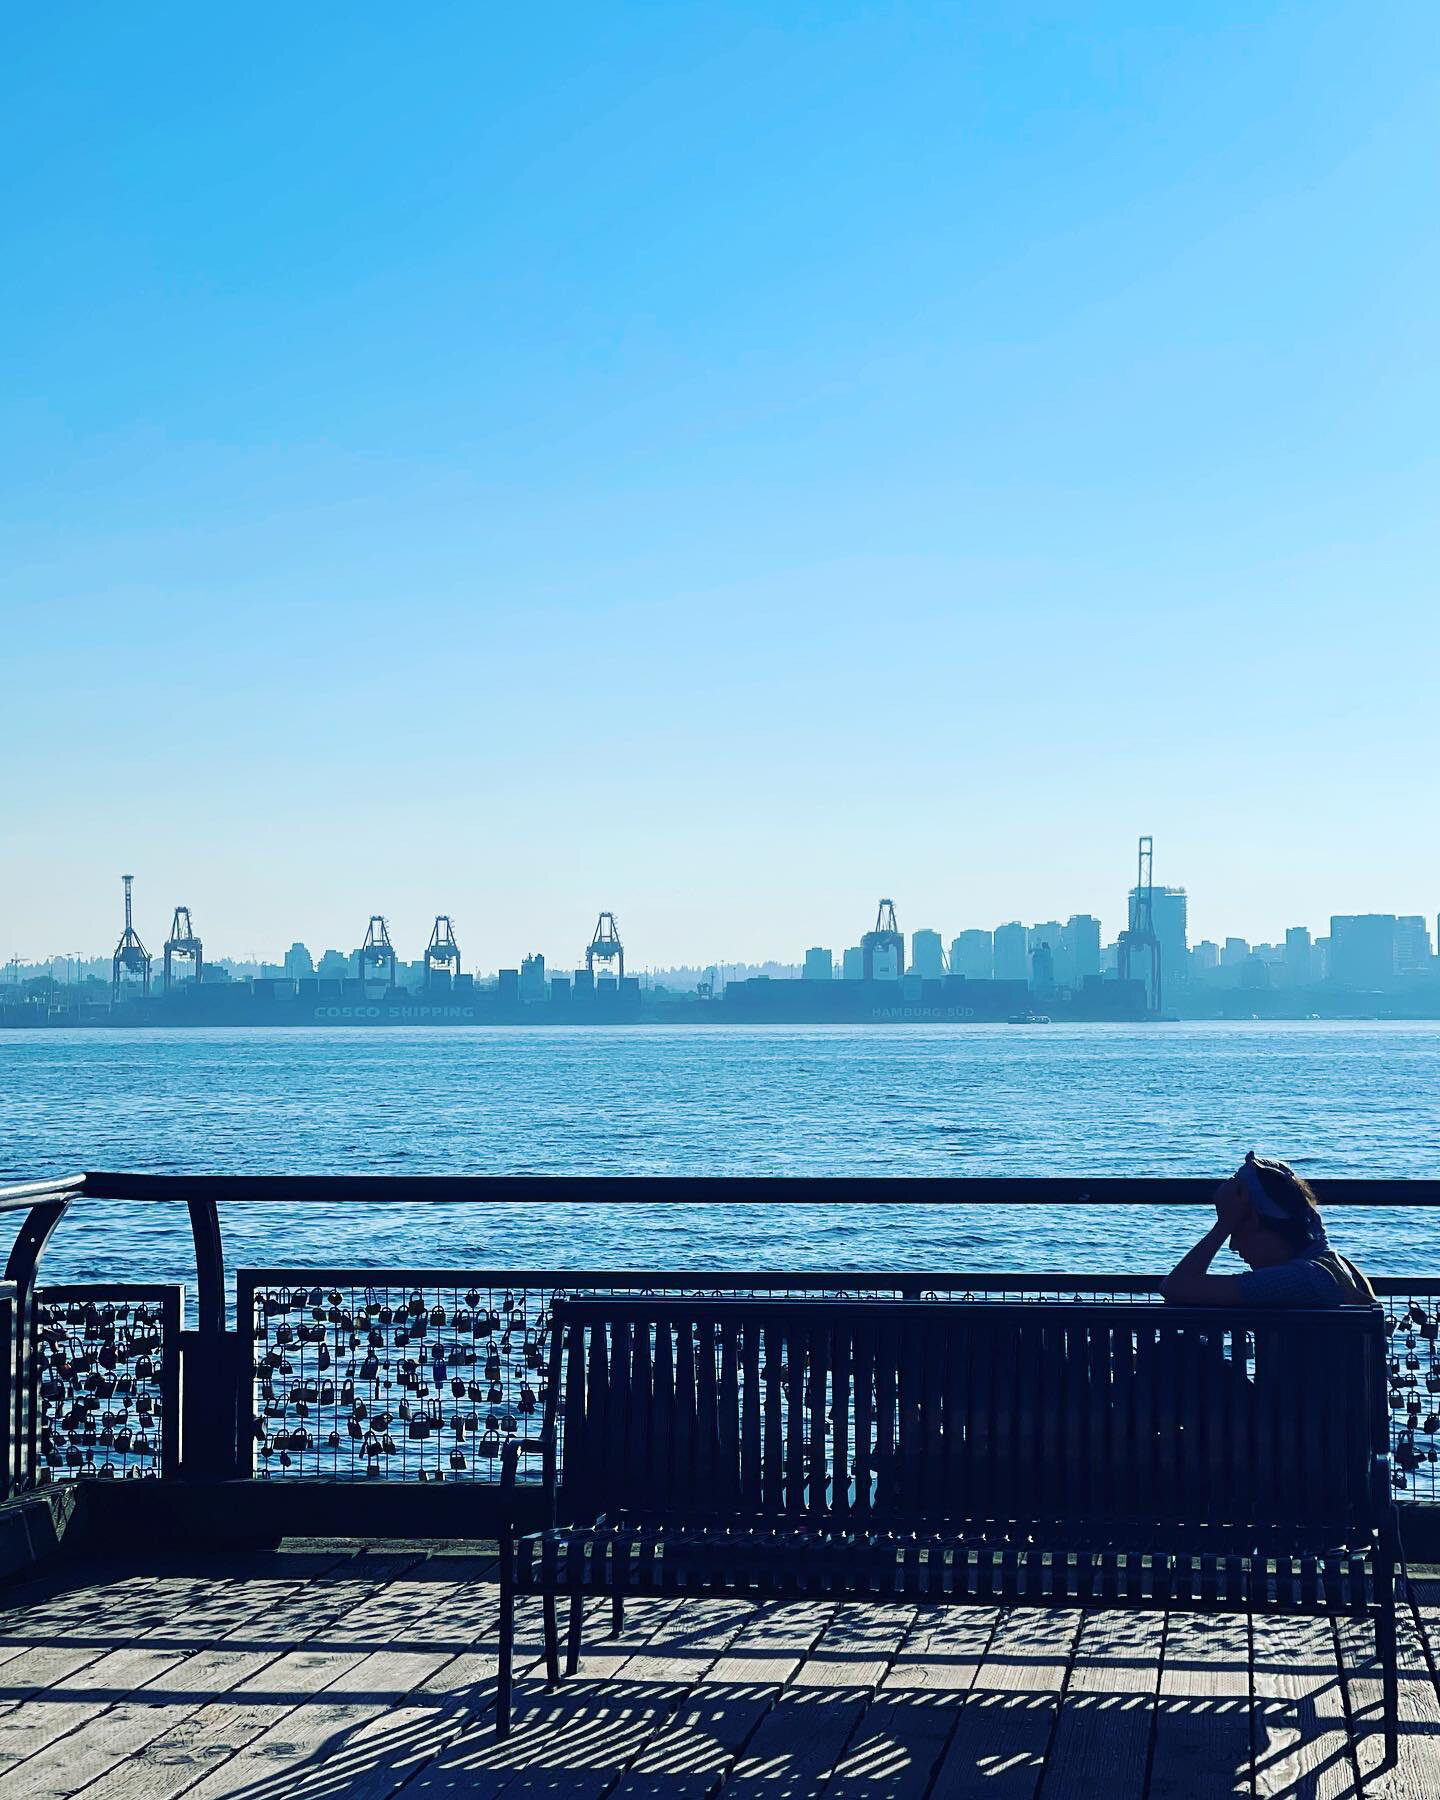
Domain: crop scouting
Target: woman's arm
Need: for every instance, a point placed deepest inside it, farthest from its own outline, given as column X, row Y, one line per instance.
column 1190, row 1282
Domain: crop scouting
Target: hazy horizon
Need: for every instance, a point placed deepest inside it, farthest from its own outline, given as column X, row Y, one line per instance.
column 716, row 463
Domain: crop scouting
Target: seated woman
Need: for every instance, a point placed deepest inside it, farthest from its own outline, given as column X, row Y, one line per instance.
column 1268, row 1213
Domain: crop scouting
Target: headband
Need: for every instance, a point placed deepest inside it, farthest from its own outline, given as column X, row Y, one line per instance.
column 1271, row 1211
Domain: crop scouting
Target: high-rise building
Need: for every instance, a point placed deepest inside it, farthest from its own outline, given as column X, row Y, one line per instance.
column 852, row 963
column 1169, row 908
column 1204, row 960
column 1052, row 935
column 819, row 965
column 1298, row 956
column 1012, row 952
column 1412, row 945
column 1363, row 949
column 1083, row 935
column 1042, row 967
column 927, row 954
column 972, row 955
column 532, row 977
column 334, row 965
column 1235, row 954
column 298, row 962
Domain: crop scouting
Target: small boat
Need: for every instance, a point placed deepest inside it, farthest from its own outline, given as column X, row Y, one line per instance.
column 1028, row 1019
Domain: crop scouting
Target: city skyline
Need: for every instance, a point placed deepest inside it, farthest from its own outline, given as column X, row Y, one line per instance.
column 1009, row 950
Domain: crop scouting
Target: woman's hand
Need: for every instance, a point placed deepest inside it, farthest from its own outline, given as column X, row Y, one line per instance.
column 1231, row 1204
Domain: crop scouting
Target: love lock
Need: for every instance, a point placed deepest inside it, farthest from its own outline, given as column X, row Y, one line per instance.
column 457, row 1459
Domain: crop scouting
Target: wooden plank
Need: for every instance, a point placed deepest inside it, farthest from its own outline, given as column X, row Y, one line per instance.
column 163, row 1701
column 1202, row 1715
column 1416, row 1771
column 1302, row 1737
column 944, row 1650
column 1004, row 1726
column 897, row 1746
column 155, row 1636
column 772, row 1644
column 689, row 1639
column 692, row 1752
column 1102, row 1735
column 1029, row 1651
column 858, row 1647
column 235, row 1690
column 998, row 1746
column 797, row 1745
column 579, row 1738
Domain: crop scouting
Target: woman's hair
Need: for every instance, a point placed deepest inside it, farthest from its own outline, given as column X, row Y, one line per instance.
column 1283, row 1201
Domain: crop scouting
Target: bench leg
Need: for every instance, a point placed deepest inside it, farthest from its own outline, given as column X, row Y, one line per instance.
column 1386, row 1649
column 617, row 1613
column 572, row 1635
column 507, row 1650
column 552, row 1640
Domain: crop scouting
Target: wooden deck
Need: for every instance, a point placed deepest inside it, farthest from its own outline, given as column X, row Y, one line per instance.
column 339, row 1669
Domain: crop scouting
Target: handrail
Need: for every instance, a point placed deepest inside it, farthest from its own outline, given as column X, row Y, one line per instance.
column 25, row 1194
column 652, row 1190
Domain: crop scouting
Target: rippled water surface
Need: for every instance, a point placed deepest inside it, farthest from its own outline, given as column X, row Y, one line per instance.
column 1337, row 1099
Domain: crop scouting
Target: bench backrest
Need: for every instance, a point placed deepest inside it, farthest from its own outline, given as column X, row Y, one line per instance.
column 940, row 1411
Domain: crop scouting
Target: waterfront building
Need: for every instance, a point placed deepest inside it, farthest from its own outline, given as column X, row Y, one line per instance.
column 298, row 962
column 1298, row 956
column 927, row 955
column 819, row 965
column 1042, row 968
column 334, row 965
column 1363, row 949
column 1235, row 954
column 1082, row 935
column 1012, row 952
column 972, row 955
column 1412, row 945
column 852, row 963
column 1204, row 961
column 1052, row 936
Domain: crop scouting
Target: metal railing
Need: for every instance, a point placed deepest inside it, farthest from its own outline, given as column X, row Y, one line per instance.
column 415, row 1375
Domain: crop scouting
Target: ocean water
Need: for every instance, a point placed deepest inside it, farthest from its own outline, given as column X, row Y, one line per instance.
column 1185, row 1099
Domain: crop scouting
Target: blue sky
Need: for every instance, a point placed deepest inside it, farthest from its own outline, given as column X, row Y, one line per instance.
column 719, row 463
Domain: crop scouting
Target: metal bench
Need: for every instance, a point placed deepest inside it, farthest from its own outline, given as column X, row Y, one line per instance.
column 1094, row 1455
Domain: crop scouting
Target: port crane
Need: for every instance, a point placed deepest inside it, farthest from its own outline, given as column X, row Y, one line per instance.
column 442, row 954
column 605, row 946
column 886, row 936
column 182, row 945
column 1140, row 933
column 131, row 957
column 377, row 952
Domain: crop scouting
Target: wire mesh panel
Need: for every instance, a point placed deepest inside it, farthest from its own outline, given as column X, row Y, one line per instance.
column 107, row 1381
column 8, row 1471
column 422, row 1374
column 1412, row 1312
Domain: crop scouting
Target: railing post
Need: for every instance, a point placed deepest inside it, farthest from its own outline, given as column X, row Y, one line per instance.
column 20, row 1268
column 209, row 1372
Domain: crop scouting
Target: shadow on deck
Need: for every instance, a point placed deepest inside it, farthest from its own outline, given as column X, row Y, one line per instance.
column 323, row 1669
